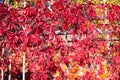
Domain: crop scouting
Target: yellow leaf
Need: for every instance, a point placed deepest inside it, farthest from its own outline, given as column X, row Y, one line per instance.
column 115, row 54
column 57, row 74
column 106, row 73
column 57, row 56
column 63, row 67
column 113, row 2
column 78, row 1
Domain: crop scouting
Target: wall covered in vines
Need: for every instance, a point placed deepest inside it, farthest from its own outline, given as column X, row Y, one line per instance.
column 60, row 40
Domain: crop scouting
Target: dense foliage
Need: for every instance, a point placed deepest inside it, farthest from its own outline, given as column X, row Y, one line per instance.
column 71, row 41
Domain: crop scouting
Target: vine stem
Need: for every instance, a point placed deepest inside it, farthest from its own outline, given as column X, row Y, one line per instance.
column 23, row 66
column 108, row 36
column 10, row 66
column 6, row 2
column 24, row 3
column 2, row 71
